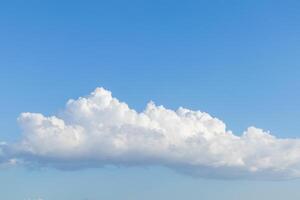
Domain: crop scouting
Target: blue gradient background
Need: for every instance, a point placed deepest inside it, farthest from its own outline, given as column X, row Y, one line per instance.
column 237, row 60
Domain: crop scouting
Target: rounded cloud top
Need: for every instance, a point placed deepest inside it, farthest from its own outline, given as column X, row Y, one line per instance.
column 100, row 130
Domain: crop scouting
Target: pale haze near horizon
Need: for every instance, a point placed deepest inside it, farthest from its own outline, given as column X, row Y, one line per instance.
column 237, row 61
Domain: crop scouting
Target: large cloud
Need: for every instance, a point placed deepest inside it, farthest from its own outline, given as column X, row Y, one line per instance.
column 100, row 130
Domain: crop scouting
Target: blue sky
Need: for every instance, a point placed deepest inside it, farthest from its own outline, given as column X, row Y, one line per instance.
column 236, row 60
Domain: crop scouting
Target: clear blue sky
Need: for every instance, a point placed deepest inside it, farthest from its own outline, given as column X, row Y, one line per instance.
column 237, row 60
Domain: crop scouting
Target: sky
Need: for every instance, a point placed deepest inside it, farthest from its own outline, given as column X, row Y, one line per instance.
column 235, row 60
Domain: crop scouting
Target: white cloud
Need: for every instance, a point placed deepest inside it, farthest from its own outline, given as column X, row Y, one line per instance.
column 100, row 130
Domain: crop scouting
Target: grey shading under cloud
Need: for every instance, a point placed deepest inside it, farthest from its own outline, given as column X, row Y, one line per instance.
column 99, row 130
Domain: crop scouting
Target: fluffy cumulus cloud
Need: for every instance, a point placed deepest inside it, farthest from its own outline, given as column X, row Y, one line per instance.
column 99, row 130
